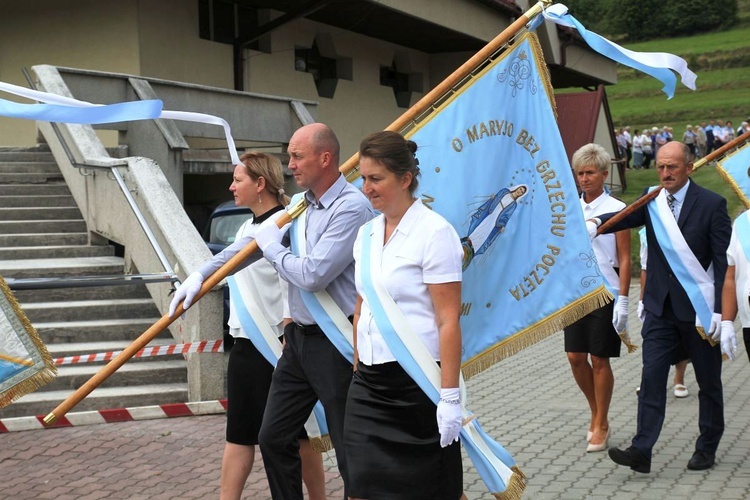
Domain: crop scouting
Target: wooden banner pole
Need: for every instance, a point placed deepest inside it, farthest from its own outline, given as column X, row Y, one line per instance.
column 422, row 105
column 651, row 195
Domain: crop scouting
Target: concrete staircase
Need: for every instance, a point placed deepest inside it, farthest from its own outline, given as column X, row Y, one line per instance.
column 42, row 234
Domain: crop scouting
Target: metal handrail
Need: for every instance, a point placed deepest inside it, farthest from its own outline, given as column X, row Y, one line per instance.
column 111, row 166
column 88, row 281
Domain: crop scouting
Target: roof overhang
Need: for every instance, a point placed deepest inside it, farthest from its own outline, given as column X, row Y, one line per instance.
column 377, row 20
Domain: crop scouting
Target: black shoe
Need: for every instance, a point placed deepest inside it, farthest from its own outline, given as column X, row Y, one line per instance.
column 631, row 458
column 701, row 460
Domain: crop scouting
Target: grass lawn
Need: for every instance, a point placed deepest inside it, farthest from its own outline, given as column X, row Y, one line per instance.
column 721, row 60
column 697, row 44
column 706, row 177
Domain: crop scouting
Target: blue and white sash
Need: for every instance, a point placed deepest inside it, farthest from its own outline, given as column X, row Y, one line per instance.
column 495, row 465
column 327, row 314
column 244, row 303
column 696, row 281
column 612, row 281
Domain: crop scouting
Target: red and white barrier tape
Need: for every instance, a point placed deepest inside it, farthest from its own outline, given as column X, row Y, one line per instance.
column 115, row 415
column 163, row 350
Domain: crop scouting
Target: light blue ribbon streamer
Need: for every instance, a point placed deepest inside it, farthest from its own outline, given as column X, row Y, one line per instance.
column 253, row 333
column 110, row 113
column 486, row 471
column 619, row 54
column 681, row 272
column 742, row 227
column 316, row 309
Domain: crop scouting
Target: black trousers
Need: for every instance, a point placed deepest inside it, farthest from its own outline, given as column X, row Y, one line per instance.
column 310, row 368
column 662, row 338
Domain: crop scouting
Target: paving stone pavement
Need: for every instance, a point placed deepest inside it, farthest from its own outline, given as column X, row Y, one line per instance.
column 529, row 403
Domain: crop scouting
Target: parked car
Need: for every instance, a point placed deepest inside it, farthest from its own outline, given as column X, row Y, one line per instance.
column 223, row 224
column 219, row 233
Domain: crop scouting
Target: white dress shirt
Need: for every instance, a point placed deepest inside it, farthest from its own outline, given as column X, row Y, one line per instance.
column 679, row 199
column 423, row 249
column 605, row 245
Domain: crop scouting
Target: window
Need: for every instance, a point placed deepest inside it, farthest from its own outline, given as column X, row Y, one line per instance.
column 403, row 84
column 326, row 70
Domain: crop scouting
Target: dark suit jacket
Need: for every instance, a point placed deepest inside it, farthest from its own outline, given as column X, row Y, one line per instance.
column 706, row 226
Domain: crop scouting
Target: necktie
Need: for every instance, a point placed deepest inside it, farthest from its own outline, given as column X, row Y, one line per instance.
column 670, row 201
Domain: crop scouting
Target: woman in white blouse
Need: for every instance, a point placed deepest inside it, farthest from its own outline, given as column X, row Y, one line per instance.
column 591, row 341
column 397, row 446
column 258, row 185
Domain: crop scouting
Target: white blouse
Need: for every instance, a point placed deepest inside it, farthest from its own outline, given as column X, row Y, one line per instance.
column 423, row 249
column 267, row 285
column 605, row 245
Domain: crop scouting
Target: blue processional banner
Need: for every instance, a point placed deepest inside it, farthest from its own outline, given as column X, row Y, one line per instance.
column 493, row 164
column 735, row 169
column 25, row 364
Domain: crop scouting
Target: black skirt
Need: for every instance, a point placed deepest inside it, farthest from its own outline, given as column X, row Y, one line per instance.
column 248, row 381
column 392, row 440
column 594, row 334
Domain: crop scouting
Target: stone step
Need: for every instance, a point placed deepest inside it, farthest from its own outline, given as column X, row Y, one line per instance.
column 30, row 178
column 12, row 154
column 48, row 268
column 130, row 374
column 42, row 226
column 36, row 167
column 75, row 310
column 39, row 213
column 25, row 189
column 82, row 293
column 102, row 398
column 99, row 330
column 55, row 251
column 11, row 201
column 36, row 239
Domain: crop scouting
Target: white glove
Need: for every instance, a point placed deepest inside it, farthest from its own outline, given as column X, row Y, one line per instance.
column 269, row 233
column 728, row 339
column 714, row 330
column 449, row 417
column 620, row 314
column 591, row 229
column 641, row 311
column 187, row 292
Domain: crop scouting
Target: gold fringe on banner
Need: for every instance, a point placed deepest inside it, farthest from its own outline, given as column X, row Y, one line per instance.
column 537, row 332
column 516, row 486
column 45, row 369
column 705, row 336
column 735, row 187
column 625, row 337
column 321, row 444
column 543, row 71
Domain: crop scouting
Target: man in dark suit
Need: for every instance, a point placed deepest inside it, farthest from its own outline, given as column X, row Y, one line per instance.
column 669, row 325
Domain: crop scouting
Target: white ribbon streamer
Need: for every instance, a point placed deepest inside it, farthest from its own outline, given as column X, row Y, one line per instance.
column 49, row 98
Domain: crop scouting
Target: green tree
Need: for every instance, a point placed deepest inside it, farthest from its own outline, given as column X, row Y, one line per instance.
column 646, row 19
column 593, row 14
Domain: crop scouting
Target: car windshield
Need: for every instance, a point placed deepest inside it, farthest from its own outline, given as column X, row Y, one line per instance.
column 224, row 228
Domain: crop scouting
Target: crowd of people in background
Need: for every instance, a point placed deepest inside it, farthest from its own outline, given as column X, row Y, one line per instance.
column 639, row 148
